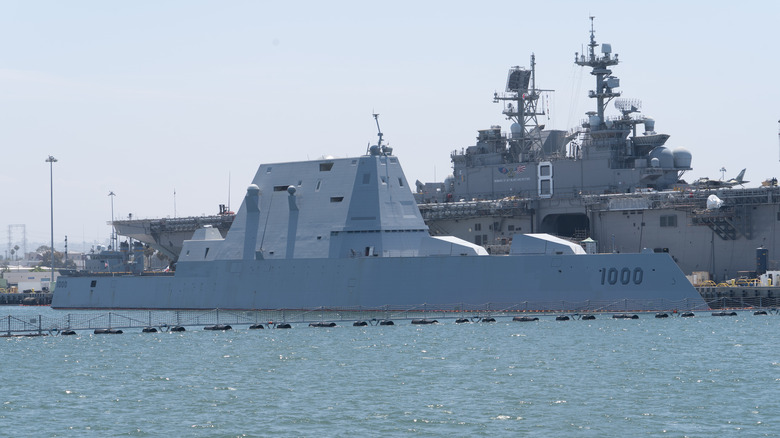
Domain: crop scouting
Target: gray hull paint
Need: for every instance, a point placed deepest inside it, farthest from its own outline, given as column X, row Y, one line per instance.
column 612, row 178
column 541, row 282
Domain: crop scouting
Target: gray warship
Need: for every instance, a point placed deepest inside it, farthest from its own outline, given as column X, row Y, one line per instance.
column 613, row 180
column 346, row 234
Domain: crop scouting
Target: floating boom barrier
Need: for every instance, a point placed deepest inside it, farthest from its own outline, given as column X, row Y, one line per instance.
column 155, row 321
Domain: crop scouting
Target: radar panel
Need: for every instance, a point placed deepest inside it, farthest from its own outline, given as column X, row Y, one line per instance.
column 627, row 106
column 518, row 79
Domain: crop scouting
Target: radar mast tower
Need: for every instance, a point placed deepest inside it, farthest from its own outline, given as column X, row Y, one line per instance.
column 605, row 82
column 522, row 108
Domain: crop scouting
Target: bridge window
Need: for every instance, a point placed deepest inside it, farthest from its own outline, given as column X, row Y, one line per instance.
column 325, row 167
column 336, row 198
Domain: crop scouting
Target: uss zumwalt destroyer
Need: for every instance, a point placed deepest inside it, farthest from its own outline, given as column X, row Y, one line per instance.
column 347, row 233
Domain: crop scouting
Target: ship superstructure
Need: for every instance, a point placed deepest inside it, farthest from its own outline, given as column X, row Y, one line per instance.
column 347, row 234
column 612, row 178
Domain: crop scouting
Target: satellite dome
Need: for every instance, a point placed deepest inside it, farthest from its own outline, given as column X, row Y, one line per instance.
column 516, row 129
column 682, row 158
column 664, row 155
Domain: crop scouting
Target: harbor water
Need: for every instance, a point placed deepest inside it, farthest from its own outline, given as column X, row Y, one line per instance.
column 700, row 376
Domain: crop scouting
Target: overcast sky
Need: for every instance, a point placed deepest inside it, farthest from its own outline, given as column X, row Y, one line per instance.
column 145, row 98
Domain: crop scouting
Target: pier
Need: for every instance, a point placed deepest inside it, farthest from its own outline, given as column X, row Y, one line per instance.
column 26, row 299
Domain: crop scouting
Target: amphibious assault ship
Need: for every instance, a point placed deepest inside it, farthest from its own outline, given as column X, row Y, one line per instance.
column 347, row 234
column 612, row 180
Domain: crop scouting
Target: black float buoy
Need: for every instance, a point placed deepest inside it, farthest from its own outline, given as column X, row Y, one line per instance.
column 149, row 330
column 562, row 318
column 760, row 312
column 724, row 313
column 588, row 317
column 322, row 324
column 488, row 319
column 461, row 320
column 687, row 315
column 661, row 315
column 256, row 326
column 68, row 332
column 386, row 322
column 359, row 324
column 625, row 316
column 283, row 325
column 108, row 331
column 525, row 318
column 222, row 327
column 424, row 321
column 177, row 328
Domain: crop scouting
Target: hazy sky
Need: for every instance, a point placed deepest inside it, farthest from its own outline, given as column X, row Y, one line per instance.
column 145, row 98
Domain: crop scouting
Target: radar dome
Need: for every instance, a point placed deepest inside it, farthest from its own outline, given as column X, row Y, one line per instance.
column 682, row 158
column 649, row 125
column 664, row 155
column 516, row 129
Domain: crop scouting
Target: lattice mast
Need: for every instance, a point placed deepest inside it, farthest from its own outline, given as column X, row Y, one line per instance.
column 605, row 82
column 522, row 107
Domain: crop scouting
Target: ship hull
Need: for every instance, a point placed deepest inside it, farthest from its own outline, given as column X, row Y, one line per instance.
column 528, row 282
column 721, row 242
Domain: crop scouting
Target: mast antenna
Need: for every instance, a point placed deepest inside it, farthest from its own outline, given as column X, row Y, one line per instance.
column 379, row 131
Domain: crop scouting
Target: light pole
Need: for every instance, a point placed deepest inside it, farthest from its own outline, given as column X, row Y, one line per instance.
column 51, row 160
column 113, row 238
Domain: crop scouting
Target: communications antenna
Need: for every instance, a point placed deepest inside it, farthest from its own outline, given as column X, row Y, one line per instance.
column 521, row 100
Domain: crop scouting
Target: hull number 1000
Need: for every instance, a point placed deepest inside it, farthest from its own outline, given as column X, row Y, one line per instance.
column 623, row 276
